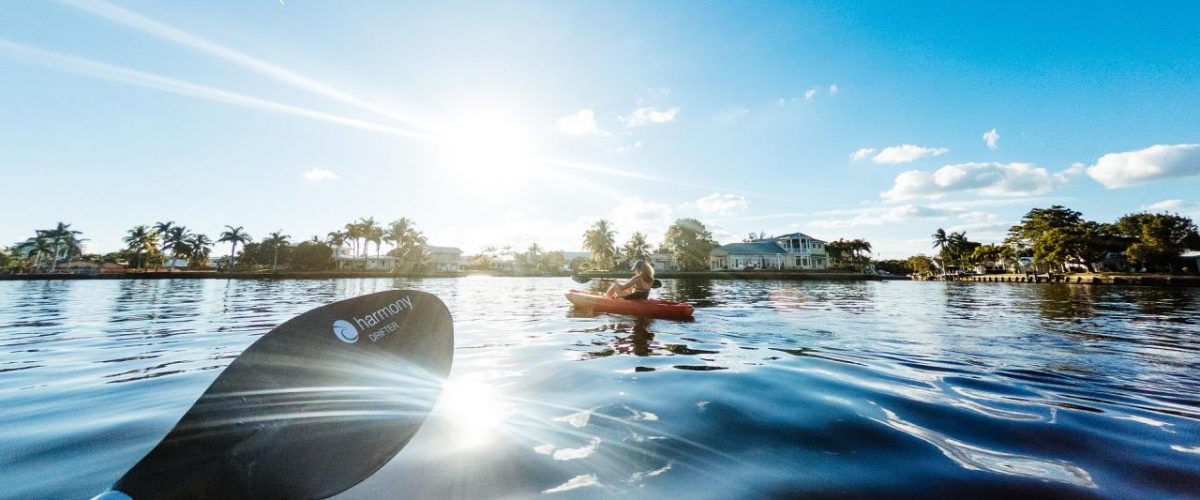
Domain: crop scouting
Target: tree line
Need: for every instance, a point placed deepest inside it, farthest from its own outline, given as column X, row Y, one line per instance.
column 170, row 246
column 1060, row 239
column 687, row 241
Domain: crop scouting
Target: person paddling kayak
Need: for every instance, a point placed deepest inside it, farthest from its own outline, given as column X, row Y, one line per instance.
column 638, row 287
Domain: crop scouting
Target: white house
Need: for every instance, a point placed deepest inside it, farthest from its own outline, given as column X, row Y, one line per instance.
column 445, row 259
column 1193, row 259
column 663, row 262
column 790, row 251
column 344, row 258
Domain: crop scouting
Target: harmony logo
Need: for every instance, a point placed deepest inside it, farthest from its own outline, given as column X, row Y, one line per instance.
column 345, row 331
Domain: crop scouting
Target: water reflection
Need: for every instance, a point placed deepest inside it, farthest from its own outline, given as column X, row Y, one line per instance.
column 778, row 388
column 695, row 291
column 972, row 457
column 1065, row 302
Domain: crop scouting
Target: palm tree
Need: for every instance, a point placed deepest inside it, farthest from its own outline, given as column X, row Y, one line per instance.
column 957, row 245
column 35, row 247
column 637, row 248
column 337, row 239
column 199, row 247
column 142, row 241
column 233, row 235
column 375, row 235
column 72, row 244
column 61, row 235
column 353, row 233
column 600, row 239
column 274, row 240
column 532, row 259
column 366, row 230
column 162, row 229
column 408, row 241
column 176, row 239
column 940, row 241
column 859, row 246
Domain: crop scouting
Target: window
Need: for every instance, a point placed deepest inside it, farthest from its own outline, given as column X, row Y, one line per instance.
column 805, row 262
column 797, row 260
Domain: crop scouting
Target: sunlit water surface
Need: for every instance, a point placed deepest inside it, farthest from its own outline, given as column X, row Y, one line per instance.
column 776, row 389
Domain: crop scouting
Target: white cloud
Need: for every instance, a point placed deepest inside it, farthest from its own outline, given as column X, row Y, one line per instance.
column 991, row 137
column 635, row 214
column 810, row 94
column 320, row 174
column 722, row 204
column 878, row 216
column 991, row 179
column 1164, row 205
column 833, row 89
column 1118, row 170
column 650, row 114
column 1188, row 208
column 862, row 153
column 580, row 123
column 906, row 153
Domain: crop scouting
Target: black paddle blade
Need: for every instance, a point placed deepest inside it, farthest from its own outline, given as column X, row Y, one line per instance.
column 310, row 409
column 580, row 279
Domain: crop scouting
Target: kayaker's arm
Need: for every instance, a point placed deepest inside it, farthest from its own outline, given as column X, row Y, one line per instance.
column 632, row 283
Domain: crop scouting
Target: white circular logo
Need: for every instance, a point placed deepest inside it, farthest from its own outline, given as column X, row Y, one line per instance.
column 345, row 331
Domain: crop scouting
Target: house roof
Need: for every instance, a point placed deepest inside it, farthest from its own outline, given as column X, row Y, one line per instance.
column 791, row 236
column 433, row 249
column 752, row 248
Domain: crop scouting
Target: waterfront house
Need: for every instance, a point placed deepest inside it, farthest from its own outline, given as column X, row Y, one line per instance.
column 1191, row 260
column 504, row 264
column 345, row 259
column 445, row 259
column 795, row 251
column 570, row 257
column 663, row 262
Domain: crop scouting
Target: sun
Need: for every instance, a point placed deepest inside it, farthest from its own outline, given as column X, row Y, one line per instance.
column 488, row 152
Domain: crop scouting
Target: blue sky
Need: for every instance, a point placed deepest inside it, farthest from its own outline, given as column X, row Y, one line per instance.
column 519, row 122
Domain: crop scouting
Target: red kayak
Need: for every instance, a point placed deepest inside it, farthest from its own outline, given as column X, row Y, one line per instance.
column 649, row 308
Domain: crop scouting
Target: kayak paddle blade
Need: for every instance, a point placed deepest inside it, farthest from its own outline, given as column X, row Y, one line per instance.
column 311, row 408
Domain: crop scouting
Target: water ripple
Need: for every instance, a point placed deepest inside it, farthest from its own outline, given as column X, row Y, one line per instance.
column 777, row 389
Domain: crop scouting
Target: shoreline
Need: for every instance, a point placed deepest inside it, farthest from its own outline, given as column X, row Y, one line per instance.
column 1073, row 279
column 1174, row 280
column 321, row 275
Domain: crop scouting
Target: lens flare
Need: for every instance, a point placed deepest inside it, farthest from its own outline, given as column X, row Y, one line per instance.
column 472, row 412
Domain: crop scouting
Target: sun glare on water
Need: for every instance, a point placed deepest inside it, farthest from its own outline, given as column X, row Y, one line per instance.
column 472, row 412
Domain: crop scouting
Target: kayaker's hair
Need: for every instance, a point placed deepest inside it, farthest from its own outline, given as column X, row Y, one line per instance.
column 645, row 269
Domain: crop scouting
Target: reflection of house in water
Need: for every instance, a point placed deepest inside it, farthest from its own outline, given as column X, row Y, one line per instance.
column 791, row 251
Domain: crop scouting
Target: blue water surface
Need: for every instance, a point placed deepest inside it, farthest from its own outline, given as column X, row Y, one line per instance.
column 815, row 389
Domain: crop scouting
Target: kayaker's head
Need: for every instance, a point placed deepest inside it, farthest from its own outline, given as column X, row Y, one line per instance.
column 641, row 267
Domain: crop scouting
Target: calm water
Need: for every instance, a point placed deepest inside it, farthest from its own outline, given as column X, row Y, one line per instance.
column 776, row 388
